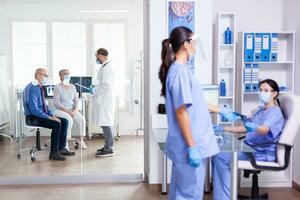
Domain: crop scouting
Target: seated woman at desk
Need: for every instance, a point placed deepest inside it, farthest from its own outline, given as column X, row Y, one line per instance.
column 264, row 126
column 66, row 101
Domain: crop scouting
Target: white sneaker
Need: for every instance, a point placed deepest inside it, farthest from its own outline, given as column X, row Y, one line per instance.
column 83, row 144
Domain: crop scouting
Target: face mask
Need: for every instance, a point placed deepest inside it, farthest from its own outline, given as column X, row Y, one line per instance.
column 66, row 81
column 44, row 81
column 265, row 97
column 35, row 82
column 191, row 58
column 98, row 62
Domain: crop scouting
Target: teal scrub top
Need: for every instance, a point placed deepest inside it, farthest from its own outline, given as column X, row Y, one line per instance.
column 272, row 118
column 182, row 88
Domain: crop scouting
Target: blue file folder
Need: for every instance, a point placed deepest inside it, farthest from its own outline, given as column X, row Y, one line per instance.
column 255, row 78
column 247, row 78
column 248, row 47
column 266, row 47
column 274, row 47
column 257, row 47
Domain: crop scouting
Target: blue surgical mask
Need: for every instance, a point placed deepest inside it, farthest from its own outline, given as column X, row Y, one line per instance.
column 191, row 58
column 66, row 80
column 35, row 82
column 44, row 81
column 191, row 62
column 98, row 62
column 265, row 97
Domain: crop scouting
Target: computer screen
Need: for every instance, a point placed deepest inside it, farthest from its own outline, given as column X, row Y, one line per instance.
column 211, row 94
column 48, row 91
column 82, row 83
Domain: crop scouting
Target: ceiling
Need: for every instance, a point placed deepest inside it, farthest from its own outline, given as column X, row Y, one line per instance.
column 69, row 1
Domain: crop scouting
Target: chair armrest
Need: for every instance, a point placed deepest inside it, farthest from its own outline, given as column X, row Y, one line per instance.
column 287, row 154
column 268, row 144
column 242, row 137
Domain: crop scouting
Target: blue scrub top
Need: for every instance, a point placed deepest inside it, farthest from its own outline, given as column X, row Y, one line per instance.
column 182, row 88
column 272, row 118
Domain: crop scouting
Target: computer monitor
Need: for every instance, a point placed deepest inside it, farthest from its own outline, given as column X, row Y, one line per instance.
column 211, row 94
column 48, row 91
column 82, row 83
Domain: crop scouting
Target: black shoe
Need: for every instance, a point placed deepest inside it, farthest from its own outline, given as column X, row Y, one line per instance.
column 56, row 156
column 65, row 152
column 104, row 153
column 99, row 150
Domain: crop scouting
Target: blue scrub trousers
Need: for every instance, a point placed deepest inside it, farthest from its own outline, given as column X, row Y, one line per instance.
column 187, row 183
column 222, row 174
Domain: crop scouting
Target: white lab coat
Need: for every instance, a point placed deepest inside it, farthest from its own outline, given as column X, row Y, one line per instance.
column 102, row 112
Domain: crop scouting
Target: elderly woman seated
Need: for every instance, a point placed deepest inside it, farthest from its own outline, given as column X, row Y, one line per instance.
column 65, row 103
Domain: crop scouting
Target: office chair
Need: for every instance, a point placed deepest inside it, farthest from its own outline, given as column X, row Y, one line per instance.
column 290, row 107
column 37, row 146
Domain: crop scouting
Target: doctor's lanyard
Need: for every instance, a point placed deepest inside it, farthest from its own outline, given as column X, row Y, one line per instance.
column 104, row 65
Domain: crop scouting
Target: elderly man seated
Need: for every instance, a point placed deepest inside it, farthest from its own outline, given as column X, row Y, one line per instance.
column 38, row 114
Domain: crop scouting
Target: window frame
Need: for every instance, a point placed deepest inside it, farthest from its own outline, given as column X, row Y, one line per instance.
column 90, row 54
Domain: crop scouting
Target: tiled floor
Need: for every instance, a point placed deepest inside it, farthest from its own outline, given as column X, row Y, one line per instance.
column 136, row 191
column 128, row 159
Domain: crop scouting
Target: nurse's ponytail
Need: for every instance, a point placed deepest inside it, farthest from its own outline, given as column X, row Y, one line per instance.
column 170, row 47
column 167, row 57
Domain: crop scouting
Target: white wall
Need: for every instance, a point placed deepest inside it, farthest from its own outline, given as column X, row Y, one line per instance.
column 292, row 22
column 257, row 15
column 5, row 110
column 51, row 11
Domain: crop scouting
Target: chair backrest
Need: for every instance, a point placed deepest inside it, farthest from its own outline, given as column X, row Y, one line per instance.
column 290, row 107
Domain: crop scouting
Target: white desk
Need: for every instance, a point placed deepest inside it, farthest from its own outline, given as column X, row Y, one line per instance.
column 231, row 144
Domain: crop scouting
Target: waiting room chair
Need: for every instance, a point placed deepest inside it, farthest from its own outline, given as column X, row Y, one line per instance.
column 290, row 107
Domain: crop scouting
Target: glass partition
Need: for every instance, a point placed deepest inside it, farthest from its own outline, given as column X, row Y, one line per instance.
column 63, row 38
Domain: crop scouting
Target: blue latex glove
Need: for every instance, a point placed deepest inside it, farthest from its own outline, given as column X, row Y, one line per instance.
column 251, row 126
column 92, row 89
column 218, row 129
column 194, row 157
column 228, row 114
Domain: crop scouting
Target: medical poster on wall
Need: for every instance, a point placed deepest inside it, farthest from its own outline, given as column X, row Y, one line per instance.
column 181, row 13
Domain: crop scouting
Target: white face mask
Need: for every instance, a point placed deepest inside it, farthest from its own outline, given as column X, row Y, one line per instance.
column 265, row 97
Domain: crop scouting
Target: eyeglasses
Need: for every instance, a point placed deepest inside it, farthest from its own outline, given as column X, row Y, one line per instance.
column 46, row 75
column 193, row 38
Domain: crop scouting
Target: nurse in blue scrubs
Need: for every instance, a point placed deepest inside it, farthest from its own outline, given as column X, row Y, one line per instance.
column 191, row 137
column 264, row 126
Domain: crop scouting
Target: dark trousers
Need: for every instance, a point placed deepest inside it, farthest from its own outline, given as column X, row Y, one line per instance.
column 58, row 134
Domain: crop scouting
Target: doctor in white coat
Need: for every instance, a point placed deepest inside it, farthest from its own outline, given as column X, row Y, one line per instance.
column 103, row 102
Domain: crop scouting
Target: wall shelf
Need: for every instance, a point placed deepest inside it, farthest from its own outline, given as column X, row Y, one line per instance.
column 225, row 63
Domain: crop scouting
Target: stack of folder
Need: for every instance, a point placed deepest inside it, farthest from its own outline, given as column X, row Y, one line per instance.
column 260, row 47
column 251, row 77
